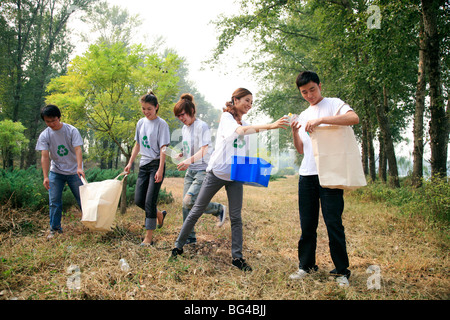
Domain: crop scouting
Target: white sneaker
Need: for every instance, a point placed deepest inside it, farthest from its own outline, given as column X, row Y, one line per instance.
column 342, row 281
column 51, row 234
column 300, row 274
column 222, row 216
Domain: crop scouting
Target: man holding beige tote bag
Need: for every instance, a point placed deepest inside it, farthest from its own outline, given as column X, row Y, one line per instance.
column 312, row 196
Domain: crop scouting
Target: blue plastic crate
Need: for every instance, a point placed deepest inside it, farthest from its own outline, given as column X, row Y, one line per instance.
column 251, row 170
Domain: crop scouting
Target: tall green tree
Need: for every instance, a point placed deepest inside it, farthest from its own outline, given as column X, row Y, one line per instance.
column 12, row 139
column 373, row 66
column 100, row 92
column 34, row 40
column 110, row 24
column 432, row 11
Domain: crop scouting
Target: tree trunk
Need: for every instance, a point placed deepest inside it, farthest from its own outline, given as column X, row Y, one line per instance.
column 123, row 197
column 385, row 129
column 365, row 147
column 417, row 173
column 439, row 127
column 372, row 171
column 382, row 163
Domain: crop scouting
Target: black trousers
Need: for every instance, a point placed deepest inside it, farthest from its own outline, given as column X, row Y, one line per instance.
column 311, row 196
column 147, row 191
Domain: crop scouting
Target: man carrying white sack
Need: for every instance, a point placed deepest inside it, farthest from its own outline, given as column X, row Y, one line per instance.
column 321, row 111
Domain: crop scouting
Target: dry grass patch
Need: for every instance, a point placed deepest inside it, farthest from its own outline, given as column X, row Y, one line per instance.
column 412, row 257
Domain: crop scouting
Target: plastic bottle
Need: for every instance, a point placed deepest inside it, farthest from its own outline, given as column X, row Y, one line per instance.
column 124, row 265
column 291, row 117
column 173, row 154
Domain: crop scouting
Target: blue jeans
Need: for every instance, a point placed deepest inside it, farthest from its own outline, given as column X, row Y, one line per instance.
column 57, row 183
column 312, row 197
column 193, row 181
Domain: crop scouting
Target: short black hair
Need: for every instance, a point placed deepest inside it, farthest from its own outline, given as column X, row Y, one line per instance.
column 305, row 77
column 51, row 111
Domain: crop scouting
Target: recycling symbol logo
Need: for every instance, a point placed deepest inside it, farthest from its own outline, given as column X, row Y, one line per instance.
column 145, row 142
column 239, row 143
column 62, row 151
column 186, row 147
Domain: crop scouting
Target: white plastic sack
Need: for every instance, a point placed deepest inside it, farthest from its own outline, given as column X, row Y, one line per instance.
column 337, row 157
column 99, row 201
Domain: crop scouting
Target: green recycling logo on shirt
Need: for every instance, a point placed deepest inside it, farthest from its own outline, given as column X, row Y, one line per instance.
column 239, row 143
column 145, row 142
column 62, row 150
column 186, row 147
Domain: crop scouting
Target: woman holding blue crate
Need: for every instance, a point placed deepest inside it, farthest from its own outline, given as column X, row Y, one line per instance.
column 231, row 140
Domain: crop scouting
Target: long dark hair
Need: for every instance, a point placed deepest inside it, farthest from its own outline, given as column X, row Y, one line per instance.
column 229, row 105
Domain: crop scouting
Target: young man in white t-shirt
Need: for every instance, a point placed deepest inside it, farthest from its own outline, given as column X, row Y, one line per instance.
column 62, row 162
column 311, row 196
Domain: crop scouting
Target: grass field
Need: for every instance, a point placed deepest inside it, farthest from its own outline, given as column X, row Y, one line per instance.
column 412, row 255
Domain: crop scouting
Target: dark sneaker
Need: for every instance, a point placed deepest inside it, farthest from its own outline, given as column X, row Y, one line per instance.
column 222, row 216
column 334, row 273
column 175, row 252
column 241, row 264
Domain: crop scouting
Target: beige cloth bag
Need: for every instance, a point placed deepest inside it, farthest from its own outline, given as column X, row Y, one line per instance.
column 337, row 156
column 99, row 201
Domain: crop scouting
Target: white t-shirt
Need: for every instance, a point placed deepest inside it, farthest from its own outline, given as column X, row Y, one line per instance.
column 151, row 135
column 61, row 145
column 196, row 136
column 228, row 144
column 325, row 108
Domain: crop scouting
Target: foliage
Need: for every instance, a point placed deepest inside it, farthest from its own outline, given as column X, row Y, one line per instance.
column 12, row 139
column 23, row 189
column 431, row 200
column 334, row 39
column 110, row 24
column 101, row 91
column 34, row 42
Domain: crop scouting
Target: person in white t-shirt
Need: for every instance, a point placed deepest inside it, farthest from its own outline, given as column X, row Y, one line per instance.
column 152, row 134
column 231, row 139
column 311, row 196
column 62, row 162
column 197, row 149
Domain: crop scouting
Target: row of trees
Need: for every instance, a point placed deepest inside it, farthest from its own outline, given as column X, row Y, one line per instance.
column 389, row 60
column 378, row 56
column 33, row 49
column 98, row 91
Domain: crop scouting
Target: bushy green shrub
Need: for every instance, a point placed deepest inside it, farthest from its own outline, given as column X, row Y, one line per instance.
column 431, row 200
column 24, row 188
column 434, row 198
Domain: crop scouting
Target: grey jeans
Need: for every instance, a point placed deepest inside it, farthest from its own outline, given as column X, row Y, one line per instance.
column 193, row 181
column 211, row 185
